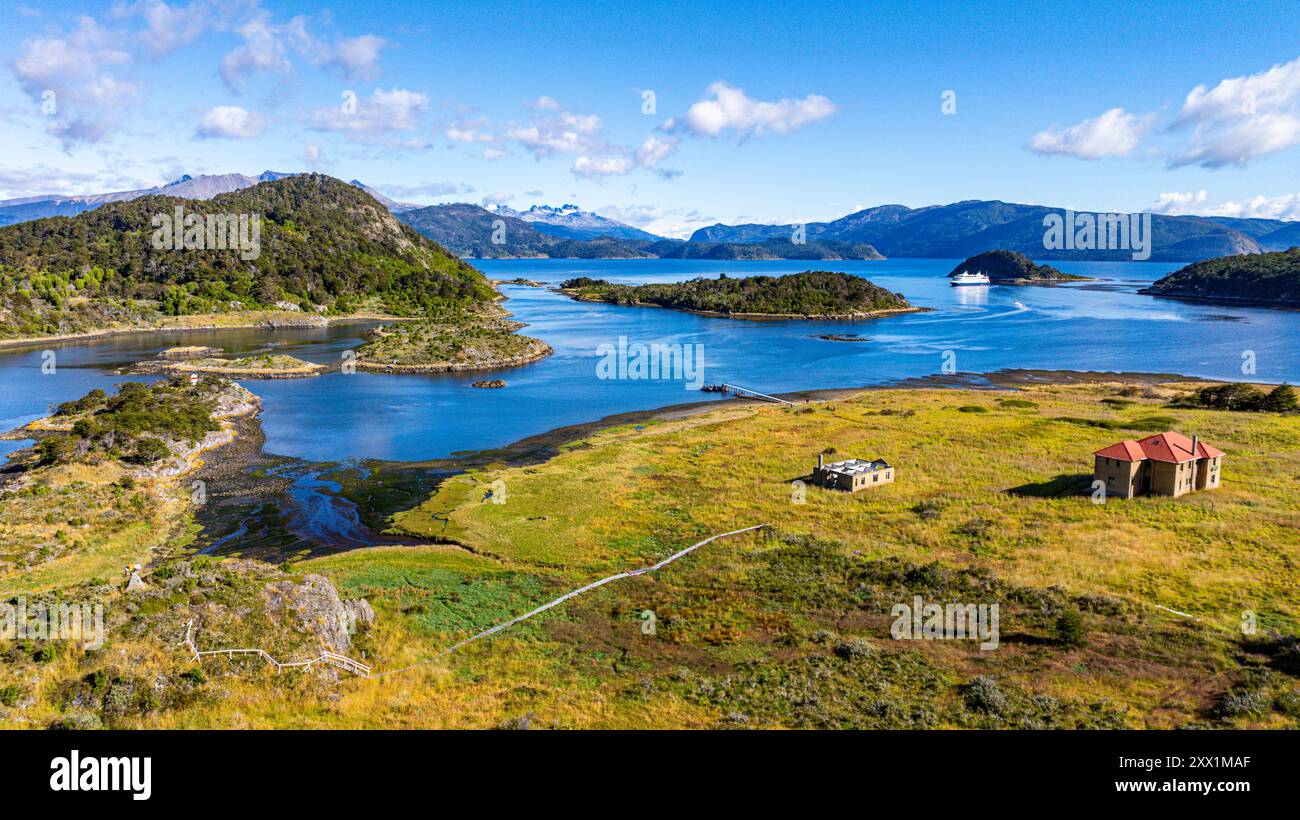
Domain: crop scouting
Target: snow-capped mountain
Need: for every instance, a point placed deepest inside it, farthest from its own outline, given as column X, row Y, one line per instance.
column 571, row 222
column 391, row 204
column 204, row 186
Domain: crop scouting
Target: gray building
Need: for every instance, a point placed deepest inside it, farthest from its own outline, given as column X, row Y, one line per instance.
column 852, row 474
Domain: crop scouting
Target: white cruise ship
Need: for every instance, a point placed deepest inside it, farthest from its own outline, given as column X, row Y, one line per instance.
column 968, row 278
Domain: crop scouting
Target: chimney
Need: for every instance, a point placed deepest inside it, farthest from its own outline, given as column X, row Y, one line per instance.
column 820, row 461
column 1196, row 445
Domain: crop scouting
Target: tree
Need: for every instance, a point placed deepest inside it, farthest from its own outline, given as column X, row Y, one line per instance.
column 1070, row 631
column 1281, row 399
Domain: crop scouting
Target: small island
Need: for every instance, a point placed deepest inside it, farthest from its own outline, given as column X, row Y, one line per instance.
column 258, row 366
column 807, row 295
column 1013, row 268
column 1267, row 279
column 479, row 339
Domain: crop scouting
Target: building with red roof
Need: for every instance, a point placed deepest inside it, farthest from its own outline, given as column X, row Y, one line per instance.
column 1164, row 464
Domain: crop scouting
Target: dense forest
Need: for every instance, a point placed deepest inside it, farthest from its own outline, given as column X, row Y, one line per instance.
column 1263, row 278
column 811, row 293
column 323, row 246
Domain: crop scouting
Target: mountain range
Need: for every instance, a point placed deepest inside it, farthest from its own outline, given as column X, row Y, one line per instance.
column 957, row 230
column 966, row 228
column 571, row 222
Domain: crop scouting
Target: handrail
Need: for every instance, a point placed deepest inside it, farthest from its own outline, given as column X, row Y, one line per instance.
column 326, row 656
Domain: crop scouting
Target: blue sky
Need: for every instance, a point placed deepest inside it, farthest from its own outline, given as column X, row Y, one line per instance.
column 763, row 112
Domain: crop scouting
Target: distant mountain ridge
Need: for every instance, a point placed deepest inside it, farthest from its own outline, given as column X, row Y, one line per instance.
column 204, row 186
column 469, row 230
column 958, row 230
column 967, row 228
column 571, row 222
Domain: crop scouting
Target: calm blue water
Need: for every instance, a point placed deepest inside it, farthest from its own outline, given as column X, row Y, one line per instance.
column 1101, row 325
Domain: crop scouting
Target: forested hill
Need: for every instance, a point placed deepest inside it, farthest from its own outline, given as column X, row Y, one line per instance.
column 324, row 246
column 1261, row 278
column 810, row 294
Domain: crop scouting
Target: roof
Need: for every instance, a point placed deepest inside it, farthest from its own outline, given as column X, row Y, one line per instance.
column 1169, row 446
column 856, row 465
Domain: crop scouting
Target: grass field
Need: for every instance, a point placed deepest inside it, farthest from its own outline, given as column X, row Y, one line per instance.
column 791, row 626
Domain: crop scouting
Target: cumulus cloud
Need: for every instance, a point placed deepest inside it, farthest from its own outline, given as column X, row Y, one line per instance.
column 494, row 199
column 552, row 131
column 355, row 58
column 727, row 108
column 268, row 45
column 1242, row 118
column 169, row 27
column 601, row 166
column 386, row 111
column 469, row 131
column 231, row 122
column 74, row 77
column 1181, row 203
column 1114, row 133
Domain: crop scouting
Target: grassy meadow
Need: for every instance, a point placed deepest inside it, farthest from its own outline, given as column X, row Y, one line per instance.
column 790, row 626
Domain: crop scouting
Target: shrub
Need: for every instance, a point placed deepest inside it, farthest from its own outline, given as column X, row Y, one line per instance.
column 854, row 648
column 1241, row 703
column 983, row 695
column 1070, row 631
column 10, row 694
column 972, row 408
column 928, row 509
column 148, row 450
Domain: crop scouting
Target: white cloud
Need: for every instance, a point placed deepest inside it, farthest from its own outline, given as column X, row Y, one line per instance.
column 311, row 155
column 231, row 122
column 1236, row 97
column 593, row 167
column 1180, row 203
column 396, row 109
column 1238, row 142
column 168, row 28
column 77, row 69
column 1115, row 133
column 469, row 131
column 655, row 149
column 356, row 58
column 494, row 199
column 43, row 179
column 728, row 108
column 674, row 222
column 545, row 103
column 1242, row 118
column 264, row 50
column 268, row 45
column 428, row 189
